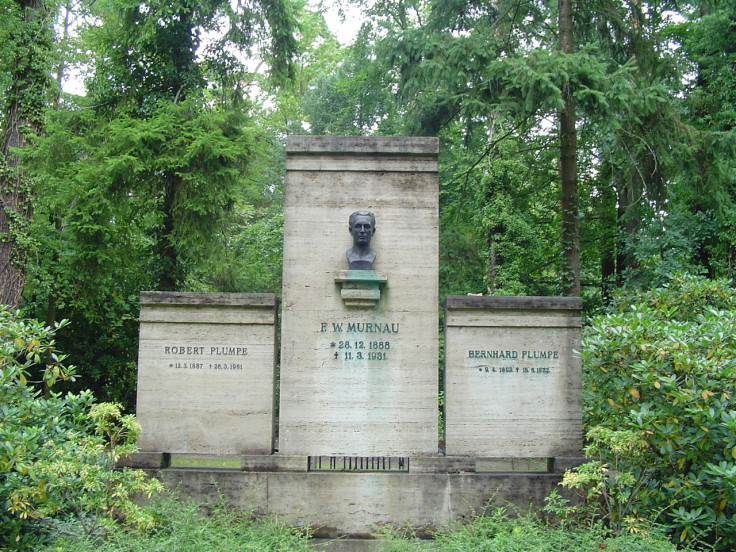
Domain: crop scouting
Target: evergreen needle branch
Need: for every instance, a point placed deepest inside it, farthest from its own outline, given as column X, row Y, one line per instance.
column 486, row 152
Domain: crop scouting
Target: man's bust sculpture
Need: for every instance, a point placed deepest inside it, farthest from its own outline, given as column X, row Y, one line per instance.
column 362, row 226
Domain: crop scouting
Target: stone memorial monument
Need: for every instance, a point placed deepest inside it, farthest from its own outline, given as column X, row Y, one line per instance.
column 358, row 443
column 359, row 350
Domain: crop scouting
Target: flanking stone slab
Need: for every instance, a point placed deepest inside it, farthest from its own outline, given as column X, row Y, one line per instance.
column 512, row 380
column 206, row 372
column 359, row 370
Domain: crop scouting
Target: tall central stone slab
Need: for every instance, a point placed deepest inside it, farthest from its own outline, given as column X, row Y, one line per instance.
column 359, row 347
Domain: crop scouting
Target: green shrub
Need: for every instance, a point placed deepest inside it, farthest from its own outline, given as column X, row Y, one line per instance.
column 182, row 525
column 501, row 532
column 58, row 453
column 662, row 368
column 611, row 483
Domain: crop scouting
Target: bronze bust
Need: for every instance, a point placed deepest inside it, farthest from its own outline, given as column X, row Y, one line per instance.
column 362, row 226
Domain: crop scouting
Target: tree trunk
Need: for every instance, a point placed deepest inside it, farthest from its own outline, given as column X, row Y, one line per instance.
column 25, row 100
column 608, row 215
column 16, row 209
column 492, row 265
column 168, row 257
column 628, row 224
column 570, row 270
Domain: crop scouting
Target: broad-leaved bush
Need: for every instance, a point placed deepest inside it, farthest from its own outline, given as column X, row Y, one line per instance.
column 658, row 386
column 58, row 453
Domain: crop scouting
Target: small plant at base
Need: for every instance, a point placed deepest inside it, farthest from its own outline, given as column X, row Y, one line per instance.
column 121, row 431
column 560, row 513
column 611, row 487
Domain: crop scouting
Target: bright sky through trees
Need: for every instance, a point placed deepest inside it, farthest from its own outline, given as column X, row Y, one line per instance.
column 344, row 22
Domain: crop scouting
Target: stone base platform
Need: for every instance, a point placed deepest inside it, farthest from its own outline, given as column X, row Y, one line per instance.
column 348, row 545
column 428, row 496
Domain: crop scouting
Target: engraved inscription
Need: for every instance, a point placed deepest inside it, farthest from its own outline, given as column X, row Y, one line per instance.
column 188, row 350
column 360, row 327
column 361, row 350
column 206, row 365
column 184, row 354
column 525, row 355
column 525, row 361
column 513, row 369
column 365, row 347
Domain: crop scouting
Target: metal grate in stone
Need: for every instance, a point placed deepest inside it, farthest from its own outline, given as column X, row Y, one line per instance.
column 359, row 463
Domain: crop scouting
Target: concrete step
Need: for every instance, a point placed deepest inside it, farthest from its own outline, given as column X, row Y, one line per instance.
column 358, row 545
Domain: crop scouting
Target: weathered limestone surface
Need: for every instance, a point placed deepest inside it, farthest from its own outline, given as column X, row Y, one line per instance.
column 512, row 380
column 359, row 380
column 206, row 373
column 359, row 504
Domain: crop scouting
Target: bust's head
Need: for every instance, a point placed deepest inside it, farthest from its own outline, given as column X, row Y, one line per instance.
column 362, row 226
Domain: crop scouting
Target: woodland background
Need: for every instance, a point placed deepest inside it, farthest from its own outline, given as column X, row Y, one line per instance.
column 585, row 146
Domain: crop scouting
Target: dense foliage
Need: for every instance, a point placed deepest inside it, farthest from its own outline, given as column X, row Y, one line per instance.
column 160, row 178
column 659, row 389
column 58, row 453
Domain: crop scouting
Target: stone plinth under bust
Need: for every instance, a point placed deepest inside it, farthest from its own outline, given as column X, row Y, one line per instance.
column 360, row 288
